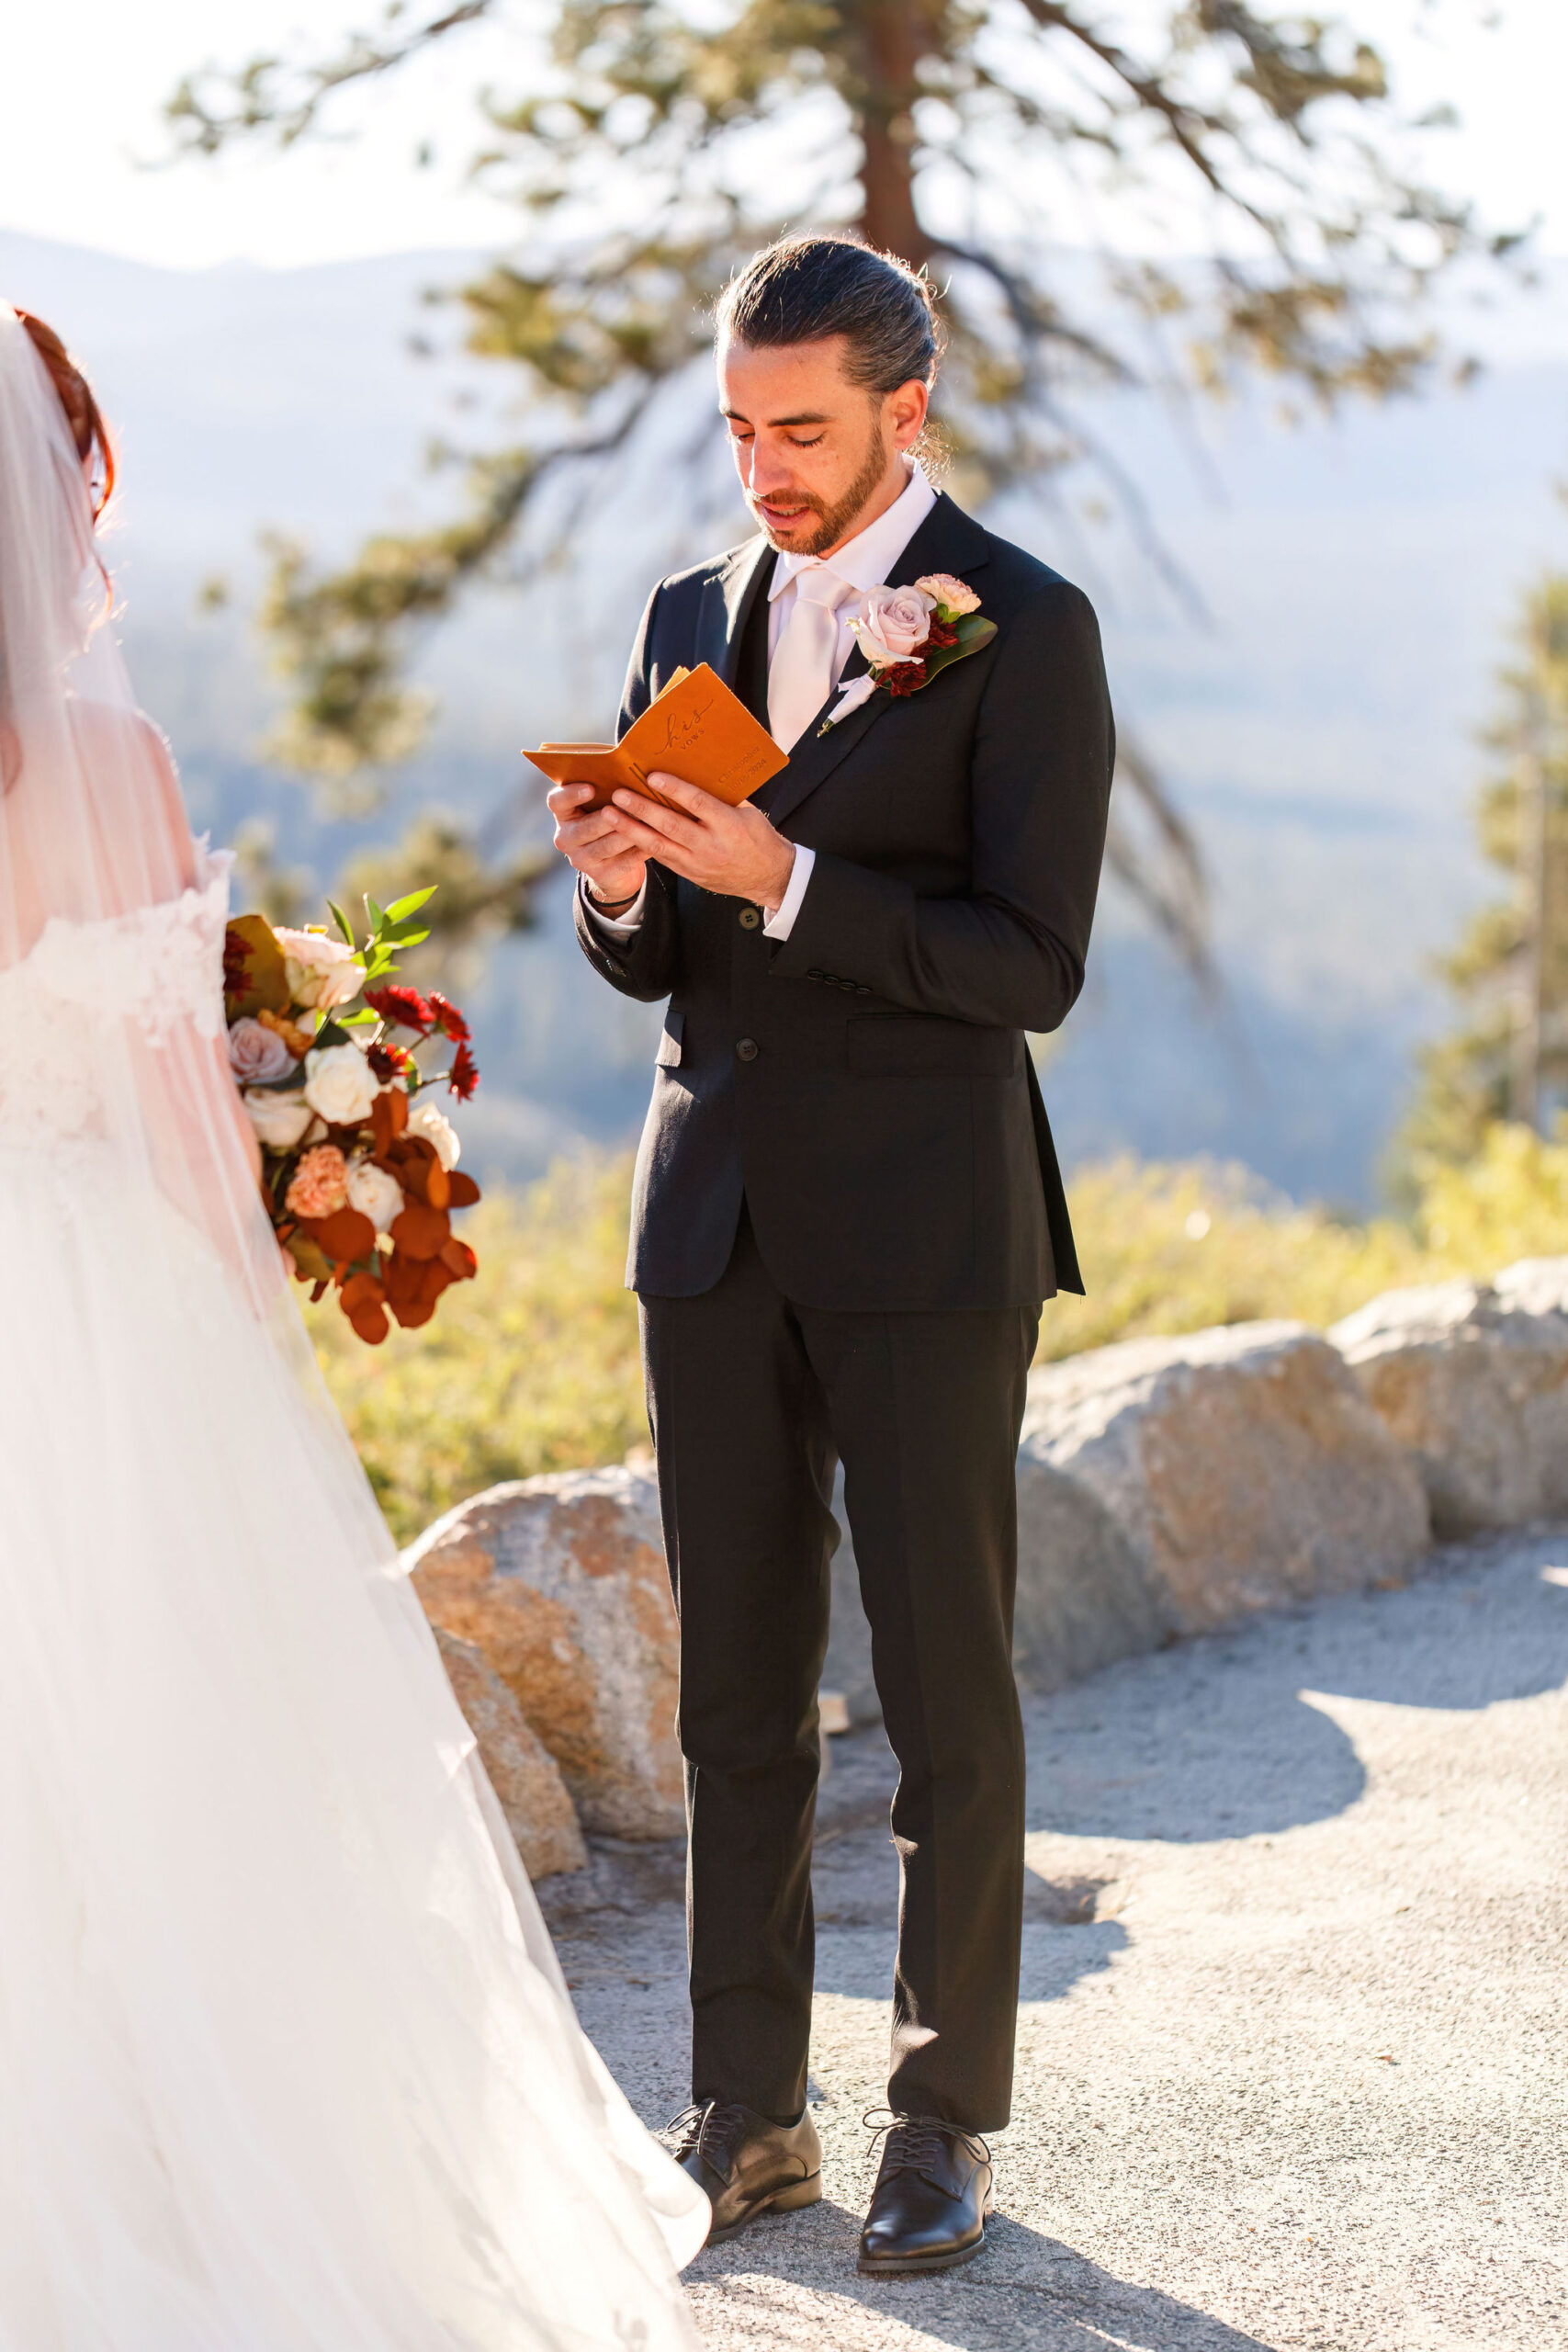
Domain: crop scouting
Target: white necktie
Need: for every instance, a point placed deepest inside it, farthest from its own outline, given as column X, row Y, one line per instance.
column 800, row 676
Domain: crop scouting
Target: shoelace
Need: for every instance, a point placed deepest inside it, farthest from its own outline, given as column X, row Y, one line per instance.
column 707, row 2129
column 915, row 2143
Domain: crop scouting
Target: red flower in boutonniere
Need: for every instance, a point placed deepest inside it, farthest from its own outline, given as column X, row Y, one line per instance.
column 907, row 634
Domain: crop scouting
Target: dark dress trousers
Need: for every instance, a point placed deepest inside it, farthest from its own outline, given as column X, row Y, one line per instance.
column 847, row 1213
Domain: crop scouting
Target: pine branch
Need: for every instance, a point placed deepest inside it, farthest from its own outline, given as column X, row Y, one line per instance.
column 272, row 97
column 1166, row 879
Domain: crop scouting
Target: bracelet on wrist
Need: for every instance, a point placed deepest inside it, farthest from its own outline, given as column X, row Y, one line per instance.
column 610, row 907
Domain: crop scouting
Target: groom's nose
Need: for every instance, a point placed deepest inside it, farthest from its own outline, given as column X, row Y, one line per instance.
column 768, row 474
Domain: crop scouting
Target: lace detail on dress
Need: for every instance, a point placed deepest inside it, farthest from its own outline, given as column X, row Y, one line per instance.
column 62, row 1008
column 161, row 967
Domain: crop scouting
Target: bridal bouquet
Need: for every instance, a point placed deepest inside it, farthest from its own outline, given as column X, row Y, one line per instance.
column 358, row 1163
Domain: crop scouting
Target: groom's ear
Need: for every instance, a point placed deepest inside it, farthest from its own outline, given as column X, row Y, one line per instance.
column 904, row 411
column 10, row 755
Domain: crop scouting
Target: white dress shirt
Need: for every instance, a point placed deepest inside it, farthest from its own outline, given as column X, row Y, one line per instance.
column 862, row 563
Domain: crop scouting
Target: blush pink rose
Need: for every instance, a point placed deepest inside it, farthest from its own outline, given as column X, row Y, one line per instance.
column 320, row 1182
column 319, row 971
column 894, row 625
column 258, row 1055
column 954, row 597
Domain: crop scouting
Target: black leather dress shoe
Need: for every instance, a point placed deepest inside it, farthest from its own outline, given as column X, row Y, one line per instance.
column 746, row 2164
column 932, row 2194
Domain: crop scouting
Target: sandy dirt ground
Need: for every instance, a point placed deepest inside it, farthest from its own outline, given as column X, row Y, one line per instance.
column 1291, row 2035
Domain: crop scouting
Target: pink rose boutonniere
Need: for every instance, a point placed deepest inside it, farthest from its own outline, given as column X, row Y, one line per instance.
column 907, row 634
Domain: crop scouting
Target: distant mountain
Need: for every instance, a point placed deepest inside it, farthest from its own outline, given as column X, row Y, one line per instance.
column 1319, row 729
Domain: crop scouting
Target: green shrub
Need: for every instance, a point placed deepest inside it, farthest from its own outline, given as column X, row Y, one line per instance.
column 534, row 1365
column 1170, row 1248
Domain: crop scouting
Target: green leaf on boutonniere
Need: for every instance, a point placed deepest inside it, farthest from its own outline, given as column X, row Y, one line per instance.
column 974, row 631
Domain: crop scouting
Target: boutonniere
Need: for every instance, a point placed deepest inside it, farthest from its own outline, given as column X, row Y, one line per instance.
column 907, row 634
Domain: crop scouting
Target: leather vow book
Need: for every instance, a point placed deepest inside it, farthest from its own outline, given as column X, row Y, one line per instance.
column 695, row 729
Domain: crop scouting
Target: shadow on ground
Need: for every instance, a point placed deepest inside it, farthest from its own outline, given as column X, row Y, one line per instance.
column 1215, row 1740
column 1183, row 1748
column 1026, row 2291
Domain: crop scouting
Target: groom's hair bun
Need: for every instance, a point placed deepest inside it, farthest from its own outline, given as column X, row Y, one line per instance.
column 804, row 290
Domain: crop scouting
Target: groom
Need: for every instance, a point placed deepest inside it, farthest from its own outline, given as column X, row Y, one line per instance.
column 847, row 1212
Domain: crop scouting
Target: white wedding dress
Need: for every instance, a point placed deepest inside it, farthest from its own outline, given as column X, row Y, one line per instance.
column 286, row 2063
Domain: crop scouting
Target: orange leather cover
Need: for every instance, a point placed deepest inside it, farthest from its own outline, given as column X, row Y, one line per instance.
column 696, row 729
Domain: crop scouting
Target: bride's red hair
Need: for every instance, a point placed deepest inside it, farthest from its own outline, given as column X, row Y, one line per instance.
column 83, row 413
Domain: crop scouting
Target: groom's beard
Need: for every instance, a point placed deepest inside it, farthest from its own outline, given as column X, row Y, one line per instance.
column 833, row 521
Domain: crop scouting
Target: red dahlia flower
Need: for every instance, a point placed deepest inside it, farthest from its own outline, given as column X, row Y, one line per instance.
column 236, row 963
column 447, row 1018
column 464, row 1075
column 402, row 1008
column 390, row 1062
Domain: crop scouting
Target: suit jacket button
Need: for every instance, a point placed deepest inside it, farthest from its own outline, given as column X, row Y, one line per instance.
column 748, row 1048
column 750, row 918
column 816, row 974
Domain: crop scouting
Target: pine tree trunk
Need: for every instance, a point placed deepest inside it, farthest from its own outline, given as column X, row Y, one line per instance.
column 895, row 36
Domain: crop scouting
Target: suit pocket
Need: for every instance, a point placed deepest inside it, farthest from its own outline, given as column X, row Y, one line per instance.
column 672, row 1045
column 922, row 1045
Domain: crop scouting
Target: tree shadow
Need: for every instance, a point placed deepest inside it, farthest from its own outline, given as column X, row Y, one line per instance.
column 1026, row 2292
column 1219, row 1738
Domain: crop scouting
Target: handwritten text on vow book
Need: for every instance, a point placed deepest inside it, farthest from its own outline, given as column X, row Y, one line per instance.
column 695, row 729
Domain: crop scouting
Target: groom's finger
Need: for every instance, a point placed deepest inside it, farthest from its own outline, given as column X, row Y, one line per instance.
column 643, row 839
column 697, row 803
column 667, row 824
column 588, row 833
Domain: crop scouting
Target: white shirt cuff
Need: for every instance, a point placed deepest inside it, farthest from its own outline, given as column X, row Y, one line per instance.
column 622, row 926
column 780, row 925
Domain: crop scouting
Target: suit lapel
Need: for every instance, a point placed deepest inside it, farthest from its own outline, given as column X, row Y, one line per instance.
column 948, row 540
column 726, row 607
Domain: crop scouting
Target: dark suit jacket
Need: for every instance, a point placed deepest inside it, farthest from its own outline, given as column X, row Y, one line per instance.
column 865, row 1083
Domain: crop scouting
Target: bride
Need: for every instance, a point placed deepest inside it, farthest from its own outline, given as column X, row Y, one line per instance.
column 287, row 2063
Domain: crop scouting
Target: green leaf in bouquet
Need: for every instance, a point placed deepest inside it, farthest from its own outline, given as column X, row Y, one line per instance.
column 342, row 921
column 359, row 1020
column 332, row 1033
column 401, row 908
column 400, row 936
column 377, row 914
column 311, row 1260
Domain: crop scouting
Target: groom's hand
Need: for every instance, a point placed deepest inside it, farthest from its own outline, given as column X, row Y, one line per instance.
column 735, row 853
column 596, row 845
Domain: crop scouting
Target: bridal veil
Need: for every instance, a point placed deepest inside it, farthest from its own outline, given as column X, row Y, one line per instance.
column 286, row 2063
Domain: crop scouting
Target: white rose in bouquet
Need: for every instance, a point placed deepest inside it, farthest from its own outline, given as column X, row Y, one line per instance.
column 426, row 1120
column 320, row 972
column 280, row 1120
column 375, row 1194
column 340, row 1084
